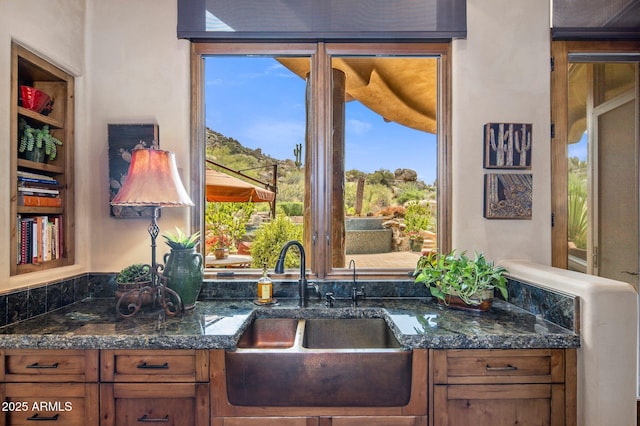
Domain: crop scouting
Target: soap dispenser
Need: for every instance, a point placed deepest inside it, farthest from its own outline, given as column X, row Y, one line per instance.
column 265, row 287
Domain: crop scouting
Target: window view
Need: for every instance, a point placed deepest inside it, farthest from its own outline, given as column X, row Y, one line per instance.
column 382, row 170
column 602, row 170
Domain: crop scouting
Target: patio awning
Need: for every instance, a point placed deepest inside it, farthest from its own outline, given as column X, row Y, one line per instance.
column 224, row 188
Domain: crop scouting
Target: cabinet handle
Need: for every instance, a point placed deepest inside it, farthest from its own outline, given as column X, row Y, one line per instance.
column 508, row 367
column 152, row 420
column 37, row 418
column 144, row 365
column 36, row 365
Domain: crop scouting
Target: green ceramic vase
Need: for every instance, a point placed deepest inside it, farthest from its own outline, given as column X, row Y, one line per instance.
column 183, row 270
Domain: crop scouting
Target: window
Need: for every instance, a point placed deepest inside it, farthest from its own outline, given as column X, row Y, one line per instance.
column 339, row 89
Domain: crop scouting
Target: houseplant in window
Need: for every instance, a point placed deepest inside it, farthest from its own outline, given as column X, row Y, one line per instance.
column 183, row 266
column 459, row 281
column 37, row 144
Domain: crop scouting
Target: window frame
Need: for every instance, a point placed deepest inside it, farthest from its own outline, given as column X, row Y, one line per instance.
column 319, row 255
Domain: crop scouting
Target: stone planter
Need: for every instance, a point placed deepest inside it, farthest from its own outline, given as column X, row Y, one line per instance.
column 183, row 270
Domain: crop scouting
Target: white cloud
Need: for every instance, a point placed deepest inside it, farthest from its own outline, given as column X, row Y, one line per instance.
column 357, row 127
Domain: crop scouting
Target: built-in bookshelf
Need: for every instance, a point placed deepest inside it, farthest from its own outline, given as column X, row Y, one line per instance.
column 42, row 199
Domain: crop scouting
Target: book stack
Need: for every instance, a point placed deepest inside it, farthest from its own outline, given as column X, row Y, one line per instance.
column 40, row 239
column 37, row 190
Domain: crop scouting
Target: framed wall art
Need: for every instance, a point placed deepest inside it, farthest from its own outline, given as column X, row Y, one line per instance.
column 507, row 146
column 508, row 195
column 123, row 139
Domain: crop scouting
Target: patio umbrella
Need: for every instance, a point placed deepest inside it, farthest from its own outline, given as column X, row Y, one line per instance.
column 224, row 188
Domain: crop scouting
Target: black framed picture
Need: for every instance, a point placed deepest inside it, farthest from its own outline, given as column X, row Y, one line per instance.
column 508, row 195
column 123, row 139
column 507, row 146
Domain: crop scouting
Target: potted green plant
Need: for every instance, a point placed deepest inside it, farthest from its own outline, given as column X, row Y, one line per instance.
column 183, row 266
column 460, row 281
column 130, row 280
column 37, row 145
column 417, row 218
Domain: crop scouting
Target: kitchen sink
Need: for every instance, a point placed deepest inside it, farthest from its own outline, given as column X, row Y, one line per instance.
column 345, row 362
column 269, row 333
column 348, row 334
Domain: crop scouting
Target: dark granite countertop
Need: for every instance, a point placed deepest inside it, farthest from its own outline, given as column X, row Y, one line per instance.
column 417, row 323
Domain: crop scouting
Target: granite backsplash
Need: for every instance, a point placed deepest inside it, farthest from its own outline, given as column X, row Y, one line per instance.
column 19, row 305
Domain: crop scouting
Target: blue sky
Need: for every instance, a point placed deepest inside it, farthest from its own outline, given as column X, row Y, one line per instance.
column 579, row 149
column 260, row 103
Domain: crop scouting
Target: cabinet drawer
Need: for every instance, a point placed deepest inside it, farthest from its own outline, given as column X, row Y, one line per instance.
column 154, row 366
column 171, row 404
column 69, row 404
column 498, row 366
column 49, row 365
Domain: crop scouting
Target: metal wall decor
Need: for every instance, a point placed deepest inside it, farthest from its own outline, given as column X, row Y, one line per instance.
column 123, row 139
column 508, row 195
column 507, row 146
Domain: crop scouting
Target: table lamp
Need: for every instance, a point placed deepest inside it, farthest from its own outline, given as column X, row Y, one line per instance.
column 152, row 181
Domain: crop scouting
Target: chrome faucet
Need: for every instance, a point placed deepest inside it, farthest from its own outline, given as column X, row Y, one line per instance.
column 303, row 285
column 355, row 293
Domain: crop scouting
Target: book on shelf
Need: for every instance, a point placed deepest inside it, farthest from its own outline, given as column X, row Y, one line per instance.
column 38, row 201
column 40, row 239
column 22, row 173
column 27, row 181
column 38, row 191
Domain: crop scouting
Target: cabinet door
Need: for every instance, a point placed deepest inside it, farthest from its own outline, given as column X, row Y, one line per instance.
column 39, row 365
column 495, row 405
column 172, row 404
column 146, row 366
column 69, row 404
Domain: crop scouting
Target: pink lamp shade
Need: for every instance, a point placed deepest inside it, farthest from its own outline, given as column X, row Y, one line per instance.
column 152, row 180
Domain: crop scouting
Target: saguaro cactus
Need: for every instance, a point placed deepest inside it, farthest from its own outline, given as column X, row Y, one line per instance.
column 297, row 151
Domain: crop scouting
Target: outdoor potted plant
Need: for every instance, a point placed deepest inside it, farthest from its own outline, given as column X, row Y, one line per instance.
column 417, row 218
column 458, row 281
column 130, row 280
column 183, row 266
column 37, row 145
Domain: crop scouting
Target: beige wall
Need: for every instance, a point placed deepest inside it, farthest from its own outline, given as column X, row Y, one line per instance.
column 501, row 74
column 54, row 29
column 131, row 68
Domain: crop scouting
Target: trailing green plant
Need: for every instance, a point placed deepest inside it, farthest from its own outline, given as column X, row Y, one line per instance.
column 138, row 272
column 269, row 239
column 180, row 240
column 33, row 138
column 457, row 275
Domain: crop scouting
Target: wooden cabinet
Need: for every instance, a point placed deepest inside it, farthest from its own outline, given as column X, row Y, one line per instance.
column 49, row 385
column 491, row 387
column 42, row 199
column 150, row 386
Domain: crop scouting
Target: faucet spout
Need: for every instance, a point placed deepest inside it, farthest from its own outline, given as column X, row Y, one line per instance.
column 303, row 292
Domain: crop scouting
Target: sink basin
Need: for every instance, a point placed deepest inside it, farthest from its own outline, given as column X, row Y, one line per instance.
column 269, row 333
column 318, row 362
column 348, row 334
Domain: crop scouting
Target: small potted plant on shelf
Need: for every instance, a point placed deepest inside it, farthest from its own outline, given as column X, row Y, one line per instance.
column 130, row 280
column 183, row 266
column 459, row 281
column 37, row 145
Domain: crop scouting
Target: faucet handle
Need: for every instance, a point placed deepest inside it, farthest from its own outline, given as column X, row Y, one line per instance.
column 330, row 299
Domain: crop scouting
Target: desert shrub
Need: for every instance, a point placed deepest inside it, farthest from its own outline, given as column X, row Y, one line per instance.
column 292, row 208
column 269, row 239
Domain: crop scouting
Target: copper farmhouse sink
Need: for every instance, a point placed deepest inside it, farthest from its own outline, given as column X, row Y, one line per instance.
column 323, row 362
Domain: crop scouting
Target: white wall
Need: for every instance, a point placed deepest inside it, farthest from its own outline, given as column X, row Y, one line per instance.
column 501, row 74
column 132, row 69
